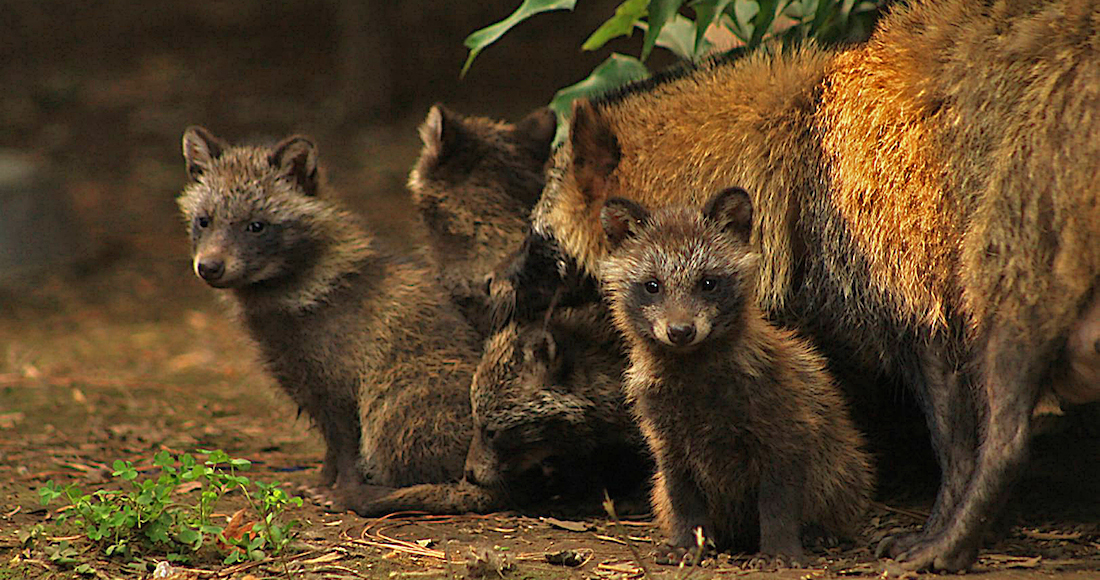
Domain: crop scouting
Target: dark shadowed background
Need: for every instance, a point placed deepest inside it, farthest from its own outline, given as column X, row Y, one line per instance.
column 97, row 94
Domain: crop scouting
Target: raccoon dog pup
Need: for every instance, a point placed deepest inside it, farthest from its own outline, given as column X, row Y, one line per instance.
column 474, row 186
column 366, row 343
column 752, row 439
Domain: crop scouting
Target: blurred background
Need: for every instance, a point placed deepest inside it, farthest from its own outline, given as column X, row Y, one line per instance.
column 107, row 340
column 97, row 94
column 109, row 346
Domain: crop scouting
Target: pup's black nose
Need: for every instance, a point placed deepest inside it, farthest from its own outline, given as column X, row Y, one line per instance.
column 681, row 334
column 210, row 270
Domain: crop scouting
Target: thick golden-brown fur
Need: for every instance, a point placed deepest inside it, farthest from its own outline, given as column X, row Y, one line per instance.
column 366, row 343
column 752, row 438
column 927, row 211
column 474, row 186
column 681, row 141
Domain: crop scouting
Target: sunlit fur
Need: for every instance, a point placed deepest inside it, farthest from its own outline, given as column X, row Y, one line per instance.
column 927, row 210
column 744, row 413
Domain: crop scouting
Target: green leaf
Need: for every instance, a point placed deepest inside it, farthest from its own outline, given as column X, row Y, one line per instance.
column 826, row 9
column 617, row 70
column 705, row 13
column 49, row 492
column 679, row 37
column 797, row 9
column 763, row 21
column 242, row 464
column 621, row 24
column 482, row 38
column 744, row 11
column 217, row 456
column 163, row 459
column 189, row 536
column 660, row 12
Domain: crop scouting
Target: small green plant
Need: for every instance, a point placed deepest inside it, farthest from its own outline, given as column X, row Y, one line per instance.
column 148, row 518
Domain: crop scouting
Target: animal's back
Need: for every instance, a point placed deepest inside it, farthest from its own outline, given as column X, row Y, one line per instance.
column 419, row 358
column 961, row 149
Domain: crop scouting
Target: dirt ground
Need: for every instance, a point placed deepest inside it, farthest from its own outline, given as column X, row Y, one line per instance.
column 137, row 356
column 120, row 351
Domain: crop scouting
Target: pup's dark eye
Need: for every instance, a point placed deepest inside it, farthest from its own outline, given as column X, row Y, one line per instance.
column 255, row 227
column 708, row 284
column 490, row 434
column 202, row 221
column 652, row 286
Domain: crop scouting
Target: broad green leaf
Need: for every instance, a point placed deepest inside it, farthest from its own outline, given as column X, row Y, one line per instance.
column 678, row 35
column 616, row 71
column 705, row 13
column 762, row 23
column 797, row 9
column 824, row 13
column 479, row 39
column 621, row 24
column 744, row 11
column 189, row 536
column 660, row 12
column 162, row 458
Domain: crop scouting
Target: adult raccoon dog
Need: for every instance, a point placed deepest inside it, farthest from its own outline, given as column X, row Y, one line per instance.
column 927, row 211
column 752, row 439
column 474, row 185
column 551, row 426
column 364, row 342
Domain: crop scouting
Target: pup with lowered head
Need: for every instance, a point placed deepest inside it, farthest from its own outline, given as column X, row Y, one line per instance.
column 752, row 439
column 366, row 343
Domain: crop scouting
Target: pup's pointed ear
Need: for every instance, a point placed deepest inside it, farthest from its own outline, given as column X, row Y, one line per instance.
column 200, row 149
column 536, row 131
column 731, row 209
column 443, row 132
column 622, row 219
column 295, row 159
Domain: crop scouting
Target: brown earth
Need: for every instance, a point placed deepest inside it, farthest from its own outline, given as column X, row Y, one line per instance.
column 136, row 356
column 120, row 352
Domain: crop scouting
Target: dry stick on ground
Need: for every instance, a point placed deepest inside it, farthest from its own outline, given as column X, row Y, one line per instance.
column 609, row 507
column 700, row 545
column 379, row 540
column 917, row 515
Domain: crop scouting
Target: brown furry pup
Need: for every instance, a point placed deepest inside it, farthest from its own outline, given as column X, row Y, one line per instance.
column 551, row 425
column 549, row 414
column 474, row 185
column 752, row 439
column 926, row 211
column 366, row 343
